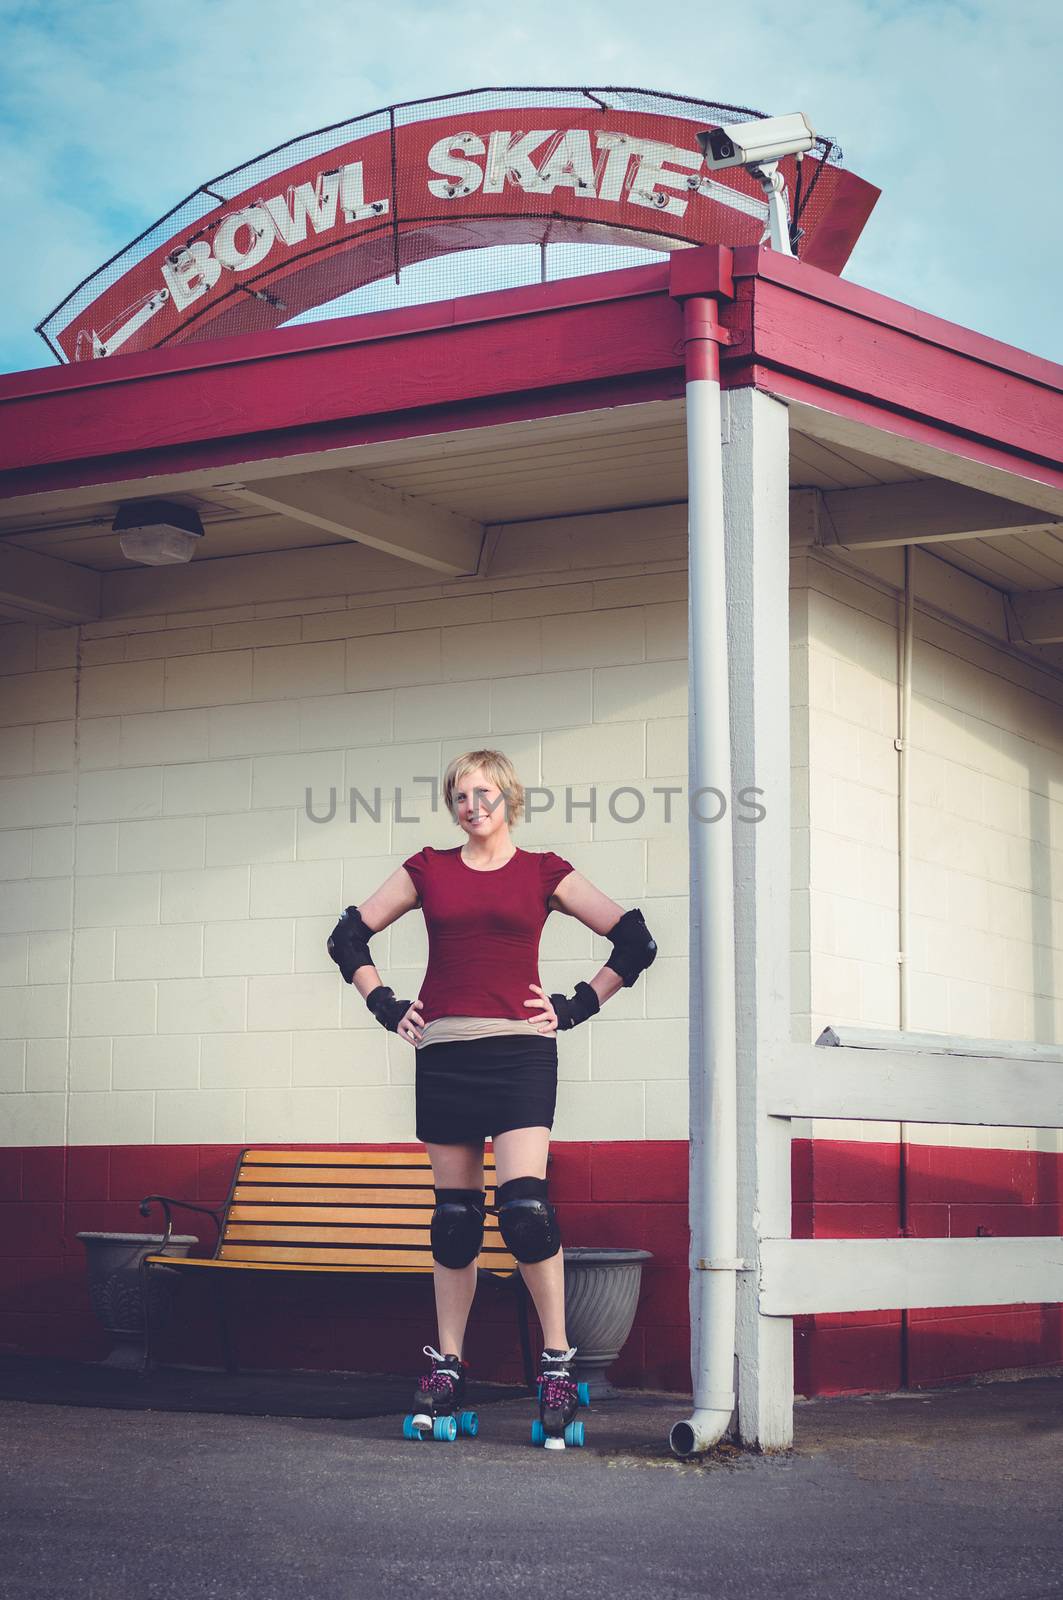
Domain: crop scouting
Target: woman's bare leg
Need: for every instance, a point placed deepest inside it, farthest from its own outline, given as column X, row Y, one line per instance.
column 522, row 1153
column 455, row 1166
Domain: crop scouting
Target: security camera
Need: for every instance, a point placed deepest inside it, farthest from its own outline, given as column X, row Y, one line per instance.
column 746, row 144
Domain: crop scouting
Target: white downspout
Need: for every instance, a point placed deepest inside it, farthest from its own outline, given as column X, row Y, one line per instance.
column 904, row 953
column 713, row 1068
column 904, row 799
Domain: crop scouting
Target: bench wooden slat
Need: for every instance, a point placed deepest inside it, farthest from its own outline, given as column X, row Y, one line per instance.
column 348, row 1195
column 293, row 1194
column 350, row 1158
column 314, row 1177
column 353, row 1199
column 391, row 1256
column 271, row 1233
column 485, row 1265
column 381, row 1215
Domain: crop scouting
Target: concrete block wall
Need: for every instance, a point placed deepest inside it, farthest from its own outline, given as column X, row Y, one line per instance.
column 986, row 826
column 166, row 897
column 987, row 958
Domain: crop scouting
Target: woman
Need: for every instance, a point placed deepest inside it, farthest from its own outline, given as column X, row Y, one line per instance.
column 487, row 1050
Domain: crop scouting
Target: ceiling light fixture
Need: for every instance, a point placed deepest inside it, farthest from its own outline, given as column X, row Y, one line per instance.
column 157, row 533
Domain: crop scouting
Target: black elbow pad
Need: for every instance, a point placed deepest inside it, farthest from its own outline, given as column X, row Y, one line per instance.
column 348, row 943
column 633, row 949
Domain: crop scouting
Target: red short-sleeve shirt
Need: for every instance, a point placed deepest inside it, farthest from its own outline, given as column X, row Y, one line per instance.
column 483, row 930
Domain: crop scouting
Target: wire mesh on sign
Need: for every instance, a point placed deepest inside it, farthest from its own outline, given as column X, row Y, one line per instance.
column 434, row 199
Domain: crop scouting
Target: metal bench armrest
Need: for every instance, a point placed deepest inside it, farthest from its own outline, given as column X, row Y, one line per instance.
column 166, row 1201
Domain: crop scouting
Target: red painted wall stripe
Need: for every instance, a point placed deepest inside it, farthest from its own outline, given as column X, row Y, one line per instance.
column 623, row 1193
column 44, row 1301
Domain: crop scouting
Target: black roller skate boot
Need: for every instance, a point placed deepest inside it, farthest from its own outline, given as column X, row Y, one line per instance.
column 560, row 1397
column 436, row 1401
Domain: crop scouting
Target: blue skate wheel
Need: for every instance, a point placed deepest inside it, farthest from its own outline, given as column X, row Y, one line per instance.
column 408, row 1429
column 469, row 1424
column 445, row 1428
column 584, row 1391
column 574, row 1435
column 538, row 1433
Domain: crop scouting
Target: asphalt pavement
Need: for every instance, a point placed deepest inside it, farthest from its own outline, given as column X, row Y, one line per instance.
column 952, row 1493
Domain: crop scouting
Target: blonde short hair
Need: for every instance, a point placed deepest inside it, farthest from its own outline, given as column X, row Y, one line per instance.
column 498, row 769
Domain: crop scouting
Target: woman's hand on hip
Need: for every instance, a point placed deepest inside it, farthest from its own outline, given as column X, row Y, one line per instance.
column 412, row 1025
column 545, row 1021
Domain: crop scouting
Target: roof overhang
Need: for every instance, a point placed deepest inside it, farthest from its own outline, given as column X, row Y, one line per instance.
column 817, row 341
column 827, row 346
column 306, row 429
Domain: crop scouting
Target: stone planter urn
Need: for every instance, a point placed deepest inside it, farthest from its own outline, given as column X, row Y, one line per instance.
column 601, row 1297
column 113, row 1262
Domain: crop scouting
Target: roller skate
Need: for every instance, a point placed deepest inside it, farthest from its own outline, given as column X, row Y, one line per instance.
column 436, row 1400
column 560, row 1397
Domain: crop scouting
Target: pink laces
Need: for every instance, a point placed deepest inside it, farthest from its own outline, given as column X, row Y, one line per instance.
column 557, row 1393
column 440, row 1378
column 558, row 1388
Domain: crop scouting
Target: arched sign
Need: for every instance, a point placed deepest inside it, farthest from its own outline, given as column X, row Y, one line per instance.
column 361, row 209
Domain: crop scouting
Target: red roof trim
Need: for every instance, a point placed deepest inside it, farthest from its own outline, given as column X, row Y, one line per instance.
column 340, row 332
column 231, row 453
column 344, row 380
column 536, row 351
column 908, row 374
column 810, row 282
column 790, row 386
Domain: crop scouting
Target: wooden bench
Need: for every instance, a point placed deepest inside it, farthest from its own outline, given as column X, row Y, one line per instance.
column 360, row 1211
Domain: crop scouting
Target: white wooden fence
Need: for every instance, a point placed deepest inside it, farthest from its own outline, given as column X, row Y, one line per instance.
column 868, row 1074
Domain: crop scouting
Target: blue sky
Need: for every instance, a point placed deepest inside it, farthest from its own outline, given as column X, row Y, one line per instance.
column 112, row 111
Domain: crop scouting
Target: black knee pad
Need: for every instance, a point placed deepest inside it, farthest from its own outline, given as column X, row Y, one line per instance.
column 526, row 1219
column 458, row 1226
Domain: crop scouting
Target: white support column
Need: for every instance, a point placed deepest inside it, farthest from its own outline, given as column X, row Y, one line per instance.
column 756, row 519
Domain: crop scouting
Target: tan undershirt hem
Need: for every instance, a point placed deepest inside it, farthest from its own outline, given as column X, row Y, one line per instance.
column 445, row 1030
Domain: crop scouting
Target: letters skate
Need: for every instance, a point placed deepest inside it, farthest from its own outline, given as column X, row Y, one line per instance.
column 560, row 1397
column 436, row 1400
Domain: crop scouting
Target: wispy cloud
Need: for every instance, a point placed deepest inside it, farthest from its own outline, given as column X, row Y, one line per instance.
column 115, row 110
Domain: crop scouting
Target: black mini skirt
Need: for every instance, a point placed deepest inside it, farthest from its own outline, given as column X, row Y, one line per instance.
column 471, row 1089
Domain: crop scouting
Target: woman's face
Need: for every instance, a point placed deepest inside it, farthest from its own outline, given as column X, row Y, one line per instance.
column 479, row 805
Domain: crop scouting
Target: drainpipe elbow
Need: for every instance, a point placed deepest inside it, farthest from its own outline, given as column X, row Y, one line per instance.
column 704, row 1428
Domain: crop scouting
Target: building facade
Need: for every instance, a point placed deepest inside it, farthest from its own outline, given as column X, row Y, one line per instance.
column 465, row 526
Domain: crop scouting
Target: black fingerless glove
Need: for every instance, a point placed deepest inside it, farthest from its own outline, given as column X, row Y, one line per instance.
column 388, row 1011
column 584, row 1004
